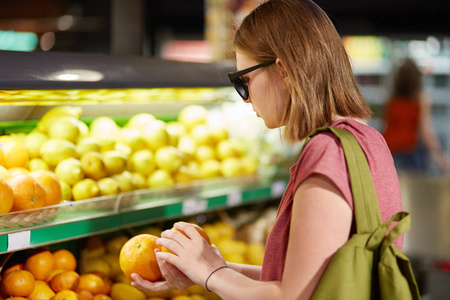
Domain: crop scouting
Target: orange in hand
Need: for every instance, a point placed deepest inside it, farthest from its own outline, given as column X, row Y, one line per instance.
column 198, row 228
column 28, row 192
column 52, row 187
column 138, row 256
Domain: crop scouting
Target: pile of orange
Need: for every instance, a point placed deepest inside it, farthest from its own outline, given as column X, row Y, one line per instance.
column 46, row 275
column 21, row 191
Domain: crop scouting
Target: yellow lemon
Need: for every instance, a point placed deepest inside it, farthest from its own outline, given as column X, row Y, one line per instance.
column 65, row 128
column 85, row 189
column 33, row 143
column 69, row 170
column 66, row 190
column 16, row 155
column 160, row 179
column 55, row 150
column 37, row 164
column 123, row 291
column 108, row 186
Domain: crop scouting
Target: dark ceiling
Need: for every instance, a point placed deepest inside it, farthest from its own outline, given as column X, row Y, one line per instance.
column 185, row 18
column 389, row 17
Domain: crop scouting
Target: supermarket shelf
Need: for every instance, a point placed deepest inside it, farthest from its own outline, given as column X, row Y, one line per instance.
column 106, row 214
column 54, row 70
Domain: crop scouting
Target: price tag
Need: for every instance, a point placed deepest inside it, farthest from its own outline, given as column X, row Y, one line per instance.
column 234, row 199
column 194, row 206
column 19, row 240
column 277, row 188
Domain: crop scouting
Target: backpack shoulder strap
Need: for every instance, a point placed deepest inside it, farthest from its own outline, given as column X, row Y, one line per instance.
column 366, row 210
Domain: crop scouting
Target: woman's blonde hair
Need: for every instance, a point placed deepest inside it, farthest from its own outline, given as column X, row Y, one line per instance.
column 320, row 80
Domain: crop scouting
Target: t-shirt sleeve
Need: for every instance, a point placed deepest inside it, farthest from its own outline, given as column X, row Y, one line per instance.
column 324, row 155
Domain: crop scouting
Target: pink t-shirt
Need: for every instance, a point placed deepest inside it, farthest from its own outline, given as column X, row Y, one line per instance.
column 324, row 155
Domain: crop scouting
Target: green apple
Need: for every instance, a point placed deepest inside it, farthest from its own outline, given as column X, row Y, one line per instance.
column 155, row 134
column 92, row 165
column 88, row 144
column 115, row 162
column 65, row 127
column 168, row 158
column 142, row 162
column 193, row 115
column 85, row 189
column 55, row 150
column 33, row 142
column 69, row 170
column 160, row 179
column 108, row 186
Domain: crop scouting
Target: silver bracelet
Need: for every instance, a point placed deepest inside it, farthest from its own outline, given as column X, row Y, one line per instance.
column 206, row 281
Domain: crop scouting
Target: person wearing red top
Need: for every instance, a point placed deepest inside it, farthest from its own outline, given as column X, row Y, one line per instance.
column 296, row 74
column 408, row 127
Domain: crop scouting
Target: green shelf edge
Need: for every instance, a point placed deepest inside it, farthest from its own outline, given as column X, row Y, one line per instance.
column 50, row 234
column 29, row 125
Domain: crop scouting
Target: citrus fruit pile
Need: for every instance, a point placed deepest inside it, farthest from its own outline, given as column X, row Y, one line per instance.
column 23, row 190
column 106, row 159
column 51, row 275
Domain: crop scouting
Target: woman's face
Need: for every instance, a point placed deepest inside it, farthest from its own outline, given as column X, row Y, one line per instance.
column 267, row 93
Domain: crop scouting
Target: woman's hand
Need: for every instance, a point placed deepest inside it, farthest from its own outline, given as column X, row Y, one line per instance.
column 193, row 255
column 173, row 278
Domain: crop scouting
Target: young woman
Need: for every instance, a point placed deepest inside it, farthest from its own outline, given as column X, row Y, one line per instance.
column 295, row 73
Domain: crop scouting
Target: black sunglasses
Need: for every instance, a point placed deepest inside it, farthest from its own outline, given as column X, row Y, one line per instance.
column 239, row 82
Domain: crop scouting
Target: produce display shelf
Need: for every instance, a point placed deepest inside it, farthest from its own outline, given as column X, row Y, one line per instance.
column 106, row 214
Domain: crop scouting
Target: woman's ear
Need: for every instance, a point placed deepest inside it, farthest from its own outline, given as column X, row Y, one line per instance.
column 281, row 68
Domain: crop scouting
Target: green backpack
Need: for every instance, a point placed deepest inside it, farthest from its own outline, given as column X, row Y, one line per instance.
column 369, row 265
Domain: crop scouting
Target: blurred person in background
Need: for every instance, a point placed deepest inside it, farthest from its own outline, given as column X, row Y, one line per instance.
column 408, row 127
